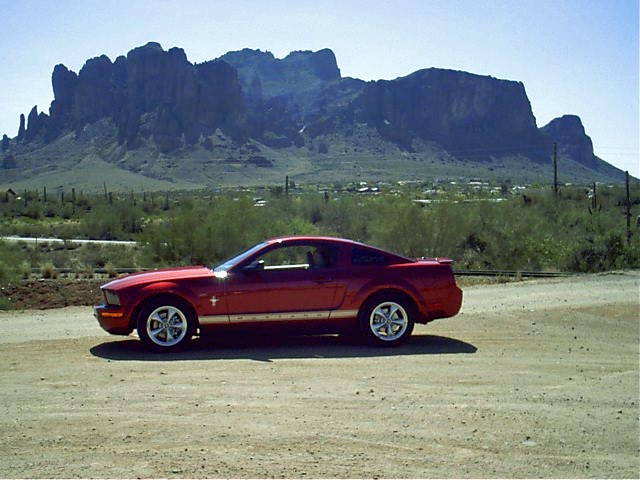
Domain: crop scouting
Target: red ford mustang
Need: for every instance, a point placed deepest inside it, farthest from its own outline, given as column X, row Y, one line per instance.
column 325, row 285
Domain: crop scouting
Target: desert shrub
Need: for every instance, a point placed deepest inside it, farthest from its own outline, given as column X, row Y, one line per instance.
column 84, row 271
column 14, row 263
column 199, row 233
column 33, row 210
column 99, row 256
column 111, row 271
column 532, row 233
column 606, row 252
column 510, row 236
column 449, row 231
column 399, row 225
column 347, row 217
column 111, row 222
column 48, row 270
column 206, row 232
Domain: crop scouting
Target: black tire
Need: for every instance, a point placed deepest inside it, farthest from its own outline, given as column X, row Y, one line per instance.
column 166, row 324
column 386, row 319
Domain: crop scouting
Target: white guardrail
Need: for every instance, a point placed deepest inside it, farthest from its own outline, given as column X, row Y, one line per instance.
column 60, row 240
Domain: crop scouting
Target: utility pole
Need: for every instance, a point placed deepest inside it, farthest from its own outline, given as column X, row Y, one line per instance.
column 555, row 170
column 628, row 207
column 286, row 185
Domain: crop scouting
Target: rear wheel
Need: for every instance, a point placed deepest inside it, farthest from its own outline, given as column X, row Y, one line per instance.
column 166, row 324
column 387, row 319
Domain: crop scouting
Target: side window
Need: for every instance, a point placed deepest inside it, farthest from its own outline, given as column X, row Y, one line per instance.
column 300, row 257
column 285, row 257
column 323, row 256
column 360, row 256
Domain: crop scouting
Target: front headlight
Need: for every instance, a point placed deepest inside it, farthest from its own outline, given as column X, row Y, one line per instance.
column 111, row 298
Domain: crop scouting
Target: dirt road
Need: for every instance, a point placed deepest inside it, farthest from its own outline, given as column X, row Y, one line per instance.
column 532, row 379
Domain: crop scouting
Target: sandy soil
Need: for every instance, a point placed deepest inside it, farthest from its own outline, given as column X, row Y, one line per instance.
column 532, row 379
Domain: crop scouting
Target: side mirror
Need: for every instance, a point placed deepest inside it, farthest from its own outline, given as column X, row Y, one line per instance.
column 255, row 266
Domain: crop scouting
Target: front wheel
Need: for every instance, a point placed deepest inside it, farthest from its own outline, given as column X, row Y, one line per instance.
column 387, row 320
column 165, row 325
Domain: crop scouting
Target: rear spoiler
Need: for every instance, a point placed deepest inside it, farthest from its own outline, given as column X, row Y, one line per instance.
column 443, row 261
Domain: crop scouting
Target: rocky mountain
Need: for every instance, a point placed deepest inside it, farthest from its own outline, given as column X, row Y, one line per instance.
column 572, row 140
column 298, row 79
column 471, row 116
column 154, row 114
column 150, row 93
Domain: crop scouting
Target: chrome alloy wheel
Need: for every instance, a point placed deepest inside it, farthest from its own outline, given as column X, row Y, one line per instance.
column 388, row 321
column 166, row 326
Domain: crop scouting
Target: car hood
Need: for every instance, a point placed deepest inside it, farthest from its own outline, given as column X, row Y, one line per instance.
column 164, row 275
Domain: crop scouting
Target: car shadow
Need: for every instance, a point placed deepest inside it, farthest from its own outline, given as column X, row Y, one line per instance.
column 269, row 349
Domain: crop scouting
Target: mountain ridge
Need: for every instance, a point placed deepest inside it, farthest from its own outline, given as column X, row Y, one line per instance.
column 153, row 113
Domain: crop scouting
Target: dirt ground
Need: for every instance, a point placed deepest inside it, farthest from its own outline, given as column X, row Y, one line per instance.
column 50, row 293
column 532, row 379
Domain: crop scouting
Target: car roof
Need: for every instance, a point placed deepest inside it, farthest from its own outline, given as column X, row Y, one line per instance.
column 312, row 238
column 336, row 240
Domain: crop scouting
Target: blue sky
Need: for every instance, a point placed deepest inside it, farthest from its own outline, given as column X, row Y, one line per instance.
column 573, row 56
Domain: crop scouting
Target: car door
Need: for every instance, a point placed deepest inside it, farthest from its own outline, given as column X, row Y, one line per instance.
column 290, row 282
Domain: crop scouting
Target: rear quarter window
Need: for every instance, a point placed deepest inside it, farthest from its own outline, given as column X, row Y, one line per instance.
column 361, row 256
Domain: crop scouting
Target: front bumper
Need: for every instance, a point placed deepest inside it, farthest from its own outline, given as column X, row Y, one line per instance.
column 112, row 319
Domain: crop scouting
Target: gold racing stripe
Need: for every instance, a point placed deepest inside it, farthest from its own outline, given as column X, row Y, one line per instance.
column 277, row 317
column 214, row 320
column 343, row 314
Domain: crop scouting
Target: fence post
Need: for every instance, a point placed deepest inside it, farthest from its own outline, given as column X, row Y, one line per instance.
column 555, row 170
column 628, row 206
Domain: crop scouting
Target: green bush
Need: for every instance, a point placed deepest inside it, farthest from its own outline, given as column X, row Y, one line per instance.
column 48, row 270
column 112, row 222
column 14, row 263
column 530, row 232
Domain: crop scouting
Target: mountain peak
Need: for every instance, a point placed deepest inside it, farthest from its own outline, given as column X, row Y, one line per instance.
column 246, row 105
column 568, row 132
column 151, row 46
column 567, row 124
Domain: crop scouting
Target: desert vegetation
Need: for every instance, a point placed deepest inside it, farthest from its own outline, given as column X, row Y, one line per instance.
column 478, row 227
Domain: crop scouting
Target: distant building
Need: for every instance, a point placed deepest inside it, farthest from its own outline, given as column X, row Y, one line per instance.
column 10, row 194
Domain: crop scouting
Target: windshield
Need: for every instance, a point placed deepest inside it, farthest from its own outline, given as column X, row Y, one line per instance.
column 239, row 257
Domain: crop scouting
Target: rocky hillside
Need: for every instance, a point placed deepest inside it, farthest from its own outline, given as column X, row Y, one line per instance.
column 471, row 116
column 148, row 93
column 573, row 142
column 249, row 117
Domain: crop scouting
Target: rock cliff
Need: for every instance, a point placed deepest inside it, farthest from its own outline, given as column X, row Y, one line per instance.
column 150, row 93
column 568, row 132
column 297, row 79
column 157, row 99
column 471, row 116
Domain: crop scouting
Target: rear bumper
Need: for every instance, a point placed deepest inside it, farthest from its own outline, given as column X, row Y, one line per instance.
column 448, row 305
column 112, row 319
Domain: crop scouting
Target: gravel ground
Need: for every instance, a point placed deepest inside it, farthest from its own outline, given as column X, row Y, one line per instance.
column 532, row 379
